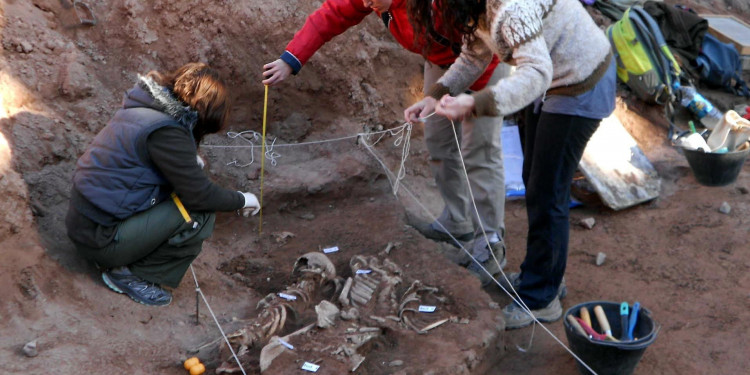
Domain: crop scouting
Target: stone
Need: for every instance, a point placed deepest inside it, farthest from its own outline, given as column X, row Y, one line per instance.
column 30, row 349
column 600, row 258
column 725, row 208
column 26, row 47
column 588, row 222
column 293, row 128
column 307, row 216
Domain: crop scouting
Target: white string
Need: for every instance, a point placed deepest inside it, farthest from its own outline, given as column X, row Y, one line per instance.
column 271, row 155
column 198, row 290
column 518, row 300
column 405, row 131
column 405, row 137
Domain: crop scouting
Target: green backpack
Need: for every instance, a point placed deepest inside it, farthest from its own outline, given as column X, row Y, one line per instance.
column 644, row 61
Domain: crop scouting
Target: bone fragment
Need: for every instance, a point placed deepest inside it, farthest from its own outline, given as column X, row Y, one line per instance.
column 344, row 296
column 377, row 319
column 435, row 325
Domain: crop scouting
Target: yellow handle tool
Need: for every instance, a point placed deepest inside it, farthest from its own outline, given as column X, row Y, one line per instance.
column 585, row 316
column 181, row 208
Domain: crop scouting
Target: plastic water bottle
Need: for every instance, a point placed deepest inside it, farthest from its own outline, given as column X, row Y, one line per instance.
column 706, row 113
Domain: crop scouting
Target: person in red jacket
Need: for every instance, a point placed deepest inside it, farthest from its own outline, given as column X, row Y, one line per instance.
column 479, row 137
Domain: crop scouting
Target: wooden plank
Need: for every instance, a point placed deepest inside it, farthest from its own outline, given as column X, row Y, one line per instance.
column 729, row 29
column 617, row 168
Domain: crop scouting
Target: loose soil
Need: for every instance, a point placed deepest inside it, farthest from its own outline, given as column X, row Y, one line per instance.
column 61, row 80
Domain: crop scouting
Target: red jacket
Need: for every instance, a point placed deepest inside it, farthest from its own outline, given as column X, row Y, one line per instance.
column 336, row 16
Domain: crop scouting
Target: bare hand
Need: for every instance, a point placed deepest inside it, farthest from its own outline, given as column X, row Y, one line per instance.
column 455, row 108
column 419, row 110
column 275, row 72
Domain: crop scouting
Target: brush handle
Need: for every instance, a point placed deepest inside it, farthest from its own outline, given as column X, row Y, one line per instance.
column 602, row 318
column 585, row 315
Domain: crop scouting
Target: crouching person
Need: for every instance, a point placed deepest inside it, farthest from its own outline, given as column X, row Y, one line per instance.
column 128, row 186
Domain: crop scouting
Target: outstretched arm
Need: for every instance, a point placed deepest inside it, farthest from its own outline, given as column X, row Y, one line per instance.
column 331, row 19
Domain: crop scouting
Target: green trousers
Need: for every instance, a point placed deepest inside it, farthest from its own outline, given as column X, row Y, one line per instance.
column 156, row 245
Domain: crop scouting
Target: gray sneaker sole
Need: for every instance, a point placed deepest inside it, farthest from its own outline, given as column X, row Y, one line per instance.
column 110, row 284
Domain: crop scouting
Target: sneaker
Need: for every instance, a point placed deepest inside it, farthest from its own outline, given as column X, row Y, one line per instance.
column 492, row 267
column 141, row 291
column 515, row 281
column 515, row 316
column 429, row 231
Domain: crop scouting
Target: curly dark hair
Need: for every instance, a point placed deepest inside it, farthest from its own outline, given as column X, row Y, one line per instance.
column 457, row 19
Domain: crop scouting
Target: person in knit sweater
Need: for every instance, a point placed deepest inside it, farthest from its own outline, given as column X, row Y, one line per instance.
column 564, row 83
column 121, row 214
column 479, row 136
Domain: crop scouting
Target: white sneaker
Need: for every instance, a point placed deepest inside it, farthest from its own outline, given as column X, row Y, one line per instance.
column 516, row 317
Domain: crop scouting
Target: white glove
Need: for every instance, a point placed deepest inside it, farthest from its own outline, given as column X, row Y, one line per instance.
column 200, row 161
column 251, row 204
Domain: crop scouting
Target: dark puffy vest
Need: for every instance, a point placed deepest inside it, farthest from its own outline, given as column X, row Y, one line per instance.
column 115, row 176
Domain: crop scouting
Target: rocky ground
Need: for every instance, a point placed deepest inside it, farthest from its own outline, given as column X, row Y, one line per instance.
column 61, row 79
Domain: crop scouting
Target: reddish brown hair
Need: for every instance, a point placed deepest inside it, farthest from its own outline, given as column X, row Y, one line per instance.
column 199, row 86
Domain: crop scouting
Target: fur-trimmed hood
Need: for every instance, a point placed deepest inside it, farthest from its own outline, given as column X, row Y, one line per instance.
column 147, row 93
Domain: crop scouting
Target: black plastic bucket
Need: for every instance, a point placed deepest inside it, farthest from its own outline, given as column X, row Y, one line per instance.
column 712, row 169
column 607, row 357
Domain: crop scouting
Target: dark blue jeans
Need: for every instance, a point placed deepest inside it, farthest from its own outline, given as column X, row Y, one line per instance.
column 553, row 146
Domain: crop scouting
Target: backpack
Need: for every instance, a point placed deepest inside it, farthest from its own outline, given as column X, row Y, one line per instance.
column 683, row 31
column 644, row 61
column 615, row 9
column 719, row 66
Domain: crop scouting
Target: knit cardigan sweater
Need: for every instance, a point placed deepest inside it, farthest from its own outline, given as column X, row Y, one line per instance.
column 555, row 45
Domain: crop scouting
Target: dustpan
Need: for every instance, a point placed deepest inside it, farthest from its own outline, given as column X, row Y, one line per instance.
column 731, row 132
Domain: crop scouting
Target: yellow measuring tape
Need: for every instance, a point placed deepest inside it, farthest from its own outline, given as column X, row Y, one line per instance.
column 182, row 209
column 262, row 160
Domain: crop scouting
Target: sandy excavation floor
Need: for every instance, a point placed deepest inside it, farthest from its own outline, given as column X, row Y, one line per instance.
column 677, row 255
